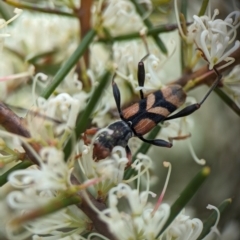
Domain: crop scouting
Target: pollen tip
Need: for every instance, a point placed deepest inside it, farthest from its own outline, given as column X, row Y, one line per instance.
column 166, row 164
column 206, row 171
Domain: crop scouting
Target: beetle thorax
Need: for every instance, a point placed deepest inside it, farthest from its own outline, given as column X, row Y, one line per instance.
column 118, row 135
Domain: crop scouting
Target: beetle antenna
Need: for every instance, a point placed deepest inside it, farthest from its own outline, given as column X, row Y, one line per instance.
column 144, row 39
column 193, row 107
column 117, row 96
column 219, row 77
column 144, row 58
column 141, row 69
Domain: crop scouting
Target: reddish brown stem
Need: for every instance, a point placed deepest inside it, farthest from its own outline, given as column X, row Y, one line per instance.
column 205, row 75
column 14, row 124
column 84, row 16
column 99, row 225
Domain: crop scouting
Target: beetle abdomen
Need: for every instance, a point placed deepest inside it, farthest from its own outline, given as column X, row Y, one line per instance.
column 153, row 109
column 175, row 95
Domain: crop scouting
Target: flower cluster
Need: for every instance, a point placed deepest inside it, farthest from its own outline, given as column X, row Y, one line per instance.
column 119, row 17
column 4, row 23
column 66, row 196
column 139, row 222
column 37, row 186
column 231, row 84
column 214, row 36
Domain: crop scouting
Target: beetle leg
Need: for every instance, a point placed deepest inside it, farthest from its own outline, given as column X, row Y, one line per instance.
column 193, row 107
column 117, row 96
column 90, row 132
column 141, row 75
column 180, row 137
column 157, row 142
column 129, row 156
column 185, row 111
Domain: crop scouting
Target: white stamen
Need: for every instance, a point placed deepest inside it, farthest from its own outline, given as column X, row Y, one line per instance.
column 165, row 164
column 196, row 159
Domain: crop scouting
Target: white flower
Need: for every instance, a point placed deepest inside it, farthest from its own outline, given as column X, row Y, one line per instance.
column 184, row 228
column 64, row 107
column 6, row 214
column 214, row 231
column 111, row 169
column 157, row 70
column 44, row 33
column 142, row 221
column 29, row 198
column 4, row 23
column 232, row 84
column 71, row 84
column 119, row 17
column 214, row 36
column 4, row 63
column 52, row 175
column 61, row 109
column 40, row 185
column 137, row 222
column 71, row 218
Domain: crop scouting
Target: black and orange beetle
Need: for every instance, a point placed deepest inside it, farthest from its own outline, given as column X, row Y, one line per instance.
column 141, row 117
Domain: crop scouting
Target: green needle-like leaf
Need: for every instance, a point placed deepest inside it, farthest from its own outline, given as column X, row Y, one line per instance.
column 184, row 4
column 34, row 7
column 37, row 57
column 5, row 11
column 142, row 149
column 64, row 70
column 228, row 100
column 210, row 221
column 51, row 207
column 153, row 31
column 83, row 121
column 22, row 165
column 84, row 117
column 203, row 8
column 185, row 196
column 141, row 11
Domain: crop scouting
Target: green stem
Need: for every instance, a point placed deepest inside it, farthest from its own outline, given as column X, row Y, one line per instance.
column 149, row 25
column 185, row 196
column 142, row 149
column 227, row 100
column 210, row 221
column 84, row 118
column 22, row 165
column 151, row 32
column 63, row 71
column 34, row 7
column 5, row 11
column 203, row 8
column 184, row 5
column 51, row 207
column 35, row 58
column 183, row 44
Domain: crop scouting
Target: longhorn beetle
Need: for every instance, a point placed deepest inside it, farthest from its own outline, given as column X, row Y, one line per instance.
column 139, row 118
